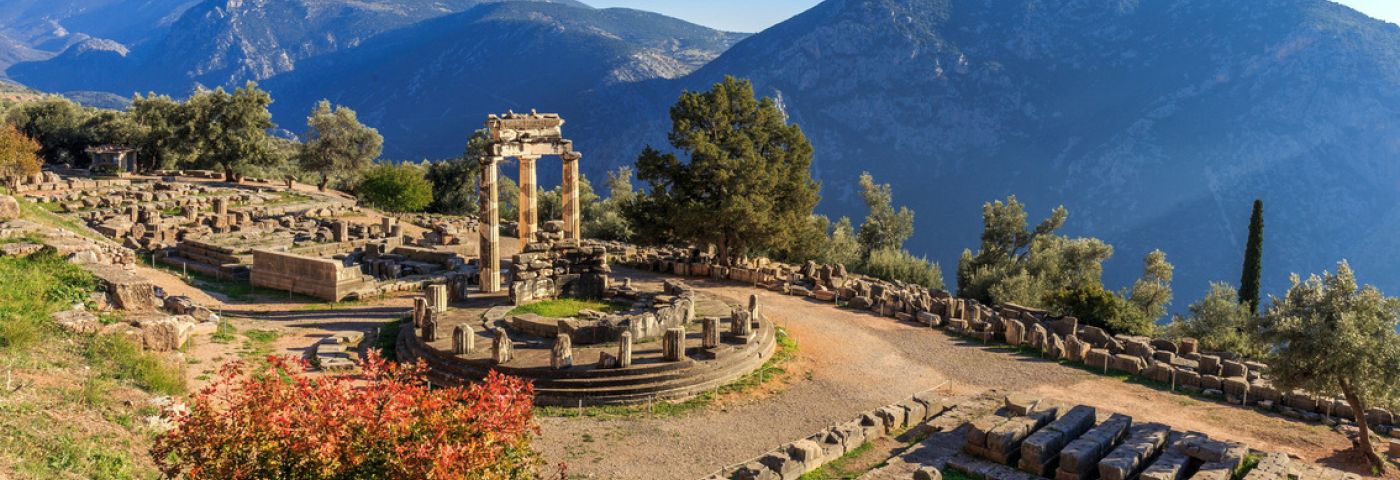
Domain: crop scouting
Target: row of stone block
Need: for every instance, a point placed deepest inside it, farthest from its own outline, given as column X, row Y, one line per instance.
column 792, row 460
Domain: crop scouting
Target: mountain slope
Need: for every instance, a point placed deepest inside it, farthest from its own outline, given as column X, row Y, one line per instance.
column 228, row 42
column 426, row 87
column 1155, row 123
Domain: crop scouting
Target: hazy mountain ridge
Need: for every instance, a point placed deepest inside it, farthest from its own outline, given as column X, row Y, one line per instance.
column 1155, row 123
column 427, row 86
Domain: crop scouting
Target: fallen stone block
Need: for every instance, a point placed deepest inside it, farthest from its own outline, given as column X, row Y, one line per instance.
column 1079, row 460
column 1142, row 444
column 1041, row 450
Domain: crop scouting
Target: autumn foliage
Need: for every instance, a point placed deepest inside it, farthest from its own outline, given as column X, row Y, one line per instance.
column 19, row 154
column 281, row 422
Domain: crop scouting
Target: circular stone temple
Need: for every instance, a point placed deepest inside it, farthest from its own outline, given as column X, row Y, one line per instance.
column 663, row 341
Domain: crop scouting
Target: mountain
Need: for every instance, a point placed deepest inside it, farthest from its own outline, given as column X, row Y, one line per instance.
column 1155, row 123
column 427, row 86
column 221, row 42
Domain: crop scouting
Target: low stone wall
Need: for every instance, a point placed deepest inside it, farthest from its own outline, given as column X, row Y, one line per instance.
column 549, row 270
column 321, row 278
column 794, row 459
column 1177, row 364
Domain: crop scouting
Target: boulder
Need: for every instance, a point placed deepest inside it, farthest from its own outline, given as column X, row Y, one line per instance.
column 9, row 208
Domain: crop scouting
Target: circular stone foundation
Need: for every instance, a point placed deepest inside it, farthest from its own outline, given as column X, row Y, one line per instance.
column 650, row 377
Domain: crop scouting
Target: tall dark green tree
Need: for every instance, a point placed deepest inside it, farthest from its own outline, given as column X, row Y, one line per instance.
column 455, row 180
column 747, row 187
column 337, row 144
column 231, row 130
column 1253, row 259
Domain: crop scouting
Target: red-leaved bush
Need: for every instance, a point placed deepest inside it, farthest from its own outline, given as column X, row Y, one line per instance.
column 280, row 422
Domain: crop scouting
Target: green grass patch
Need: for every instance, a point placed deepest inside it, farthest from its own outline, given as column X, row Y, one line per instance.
column 770, row 371
column 322, row 306
column 120, row 358
column 32, row 289
column 955, row 474
column 1251, row 460
column 37, row 212
column 567, row 307
column 224, row 333
column 841, row 468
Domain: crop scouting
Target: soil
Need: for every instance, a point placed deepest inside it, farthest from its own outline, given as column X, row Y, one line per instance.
column 857, row 362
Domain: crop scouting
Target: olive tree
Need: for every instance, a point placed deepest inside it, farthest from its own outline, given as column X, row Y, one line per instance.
column 1333, row 337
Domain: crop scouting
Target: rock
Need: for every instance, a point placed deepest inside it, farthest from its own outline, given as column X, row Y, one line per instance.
column 20, row 249
column 167, row 333
column 9, row 208
column 77, row 321
column 928, row 473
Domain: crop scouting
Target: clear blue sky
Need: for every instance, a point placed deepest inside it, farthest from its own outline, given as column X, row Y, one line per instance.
column 756, row 15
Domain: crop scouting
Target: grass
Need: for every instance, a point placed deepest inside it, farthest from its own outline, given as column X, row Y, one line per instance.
column 1251, row 460
column 952, row 474
column 771, row 370
column 224, row 333
column 841, row 468
column 567, row 307
column 71, row 411
column 39, row 214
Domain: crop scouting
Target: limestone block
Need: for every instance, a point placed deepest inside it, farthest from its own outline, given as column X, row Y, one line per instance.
column 166, row 334
column 1209, row 365
column 709, row 332
column 1127, row 363
column 1079, row 460
column 562, row 353
column 1142, row 444
column 673, row 344
column 1040, row 451
column 928, row 473
column 9, row 208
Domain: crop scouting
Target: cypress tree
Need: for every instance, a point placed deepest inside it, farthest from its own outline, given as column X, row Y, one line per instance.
column 1253, row 253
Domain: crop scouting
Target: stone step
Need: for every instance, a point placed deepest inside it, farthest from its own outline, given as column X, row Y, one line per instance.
column 1041, row 451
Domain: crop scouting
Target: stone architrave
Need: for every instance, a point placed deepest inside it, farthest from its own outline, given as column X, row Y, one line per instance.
column 624, row 350
column 420, row 310
column 673, row 344
column 562, row 355
column 710, row 332
column 570, row 199
column 501, row 348
column 463, row 340
column 529, row 204
column 490, row 226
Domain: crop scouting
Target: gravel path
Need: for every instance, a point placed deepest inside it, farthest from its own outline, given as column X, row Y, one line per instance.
column 855, row 362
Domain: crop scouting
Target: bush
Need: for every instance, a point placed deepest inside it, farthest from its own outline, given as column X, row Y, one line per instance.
column 395, row 188
column 903, row 266
column 1095, row 306
column 280, row 422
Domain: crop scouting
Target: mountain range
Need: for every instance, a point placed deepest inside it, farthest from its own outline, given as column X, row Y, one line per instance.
column 1156, row 123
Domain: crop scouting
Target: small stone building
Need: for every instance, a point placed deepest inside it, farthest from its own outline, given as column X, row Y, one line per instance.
column 117, row 159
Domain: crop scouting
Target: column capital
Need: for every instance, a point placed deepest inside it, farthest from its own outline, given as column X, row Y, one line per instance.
column 524, row 159
column 492, row 159
column 571, row 156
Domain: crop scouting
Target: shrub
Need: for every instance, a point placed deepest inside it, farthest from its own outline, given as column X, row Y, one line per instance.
column 395, row 188
column 901, row 265
column 1095, row 306
column 280, row 422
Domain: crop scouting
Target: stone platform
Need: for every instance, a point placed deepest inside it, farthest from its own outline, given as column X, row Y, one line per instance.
column 589, row 380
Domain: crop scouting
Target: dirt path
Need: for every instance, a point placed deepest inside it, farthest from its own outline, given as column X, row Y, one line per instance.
column 859, row 361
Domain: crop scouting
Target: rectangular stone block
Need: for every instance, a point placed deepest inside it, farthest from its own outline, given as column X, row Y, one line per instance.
column 1143, row 443
column 1040, row 451
column 1079, row 460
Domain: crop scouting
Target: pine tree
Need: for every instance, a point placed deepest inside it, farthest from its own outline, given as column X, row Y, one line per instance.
column 1253, row 253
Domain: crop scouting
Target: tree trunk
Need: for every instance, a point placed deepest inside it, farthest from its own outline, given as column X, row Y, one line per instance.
column 724, row 251
column 1358, row 412
column 322, row 186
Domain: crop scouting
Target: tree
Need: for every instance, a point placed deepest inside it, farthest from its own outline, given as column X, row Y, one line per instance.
column 337, row 143
column 395, row 188
column 19, row 154
column 1332, row 337
column 747, row 186
column 1220, row 322
column 1153, row 292
column 891, row 264
column 1253, row 259
column 884, row 228
column 230, row 129
column 1005, row 243
column 164, row 124
column 455, row 181
column 278, row 421
column 842, row 247
column 603, row 219
column 56, row 123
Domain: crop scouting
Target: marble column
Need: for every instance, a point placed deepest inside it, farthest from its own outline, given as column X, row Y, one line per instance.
column 571, row 198
column 529, row 204
column 490, row 226
column 624, row 350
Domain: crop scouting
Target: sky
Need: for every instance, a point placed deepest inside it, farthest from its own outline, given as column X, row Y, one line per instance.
column 756, row 15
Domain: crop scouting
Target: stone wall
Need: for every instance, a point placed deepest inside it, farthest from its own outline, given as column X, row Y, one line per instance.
column 557, row 268
column 317, row 277
column 1176, row 364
